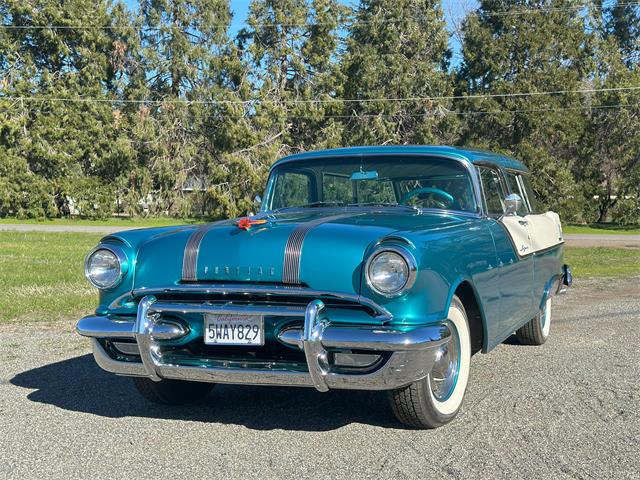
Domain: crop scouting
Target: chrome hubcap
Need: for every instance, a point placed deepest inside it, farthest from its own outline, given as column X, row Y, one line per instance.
column 444, row 375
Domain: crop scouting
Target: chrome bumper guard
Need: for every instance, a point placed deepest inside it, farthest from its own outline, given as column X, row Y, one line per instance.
column 413, row 352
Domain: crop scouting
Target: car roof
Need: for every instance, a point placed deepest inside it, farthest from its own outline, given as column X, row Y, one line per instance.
column 456, row 153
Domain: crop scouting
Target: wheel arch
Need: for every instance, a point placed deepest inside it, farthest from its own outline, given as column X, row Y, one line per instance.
column 550, row 288
column 468, row 295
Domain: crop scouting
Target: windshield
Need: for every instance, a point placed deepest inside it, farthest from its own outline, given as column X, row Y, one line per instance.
column 422, row 182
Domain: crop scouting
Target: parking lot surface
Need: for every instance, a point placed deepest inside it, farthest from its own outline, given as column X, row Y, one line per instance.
column 568, row 409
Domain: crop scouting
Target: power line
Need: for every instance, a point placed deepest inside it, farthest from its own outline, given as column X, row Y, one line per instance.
column 177, row 101
column 336, row 24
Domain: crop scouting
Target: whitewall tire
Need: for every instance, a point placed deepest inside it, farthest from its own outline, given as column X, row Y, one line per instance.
column 536, row 331
column 436, row 399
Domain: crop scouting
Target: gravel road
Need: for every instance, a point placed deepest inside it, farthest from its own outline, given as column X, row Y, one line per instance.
column 568, row 409
column 573, row 240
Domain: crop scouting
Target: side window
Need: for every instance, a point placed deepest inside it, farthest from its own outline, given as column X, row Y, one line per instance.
column 292, row 189
column 493, row 191
column 514, row 181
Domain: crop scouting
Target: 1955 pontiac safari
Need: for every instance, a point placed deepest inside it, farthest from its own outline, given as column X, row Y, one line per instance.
column 374, row 268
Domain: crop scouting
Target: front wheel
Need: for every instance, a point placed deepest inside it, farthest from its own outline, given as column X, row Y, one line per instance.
column 436, row 399
column 172, row 392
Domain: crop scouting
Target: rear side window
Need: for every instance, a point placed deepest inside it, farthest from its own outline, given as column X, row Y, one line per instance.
column 514, row 182
column 493, row 191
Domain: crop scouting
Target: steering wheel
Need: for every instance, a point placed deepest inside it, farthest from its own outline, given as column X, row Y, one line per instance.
column 419, row 191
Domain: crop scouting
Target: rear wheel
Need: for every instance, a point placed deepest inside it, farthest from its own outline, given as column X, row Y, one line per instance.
column 436, row 399
column 536, row 331
column 172, row 392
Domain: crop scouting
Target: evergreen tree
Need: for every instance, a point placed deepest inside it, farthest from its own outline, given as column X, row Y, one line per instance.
column 610, row 173
column 522, row 46
column 289, row 50
column 397, row 49
column 184, row 43
column 61, row 138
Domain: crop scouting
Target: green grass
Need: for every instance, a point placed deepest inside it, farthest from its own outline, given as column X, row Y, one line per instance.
column 604, row 228
column 42, row 277
column 603, row 262
column 41, row 274
column 111, row 222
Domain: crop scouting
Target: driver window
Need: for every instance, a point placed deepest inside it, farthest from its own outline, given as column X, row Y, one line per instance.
column 493, row 191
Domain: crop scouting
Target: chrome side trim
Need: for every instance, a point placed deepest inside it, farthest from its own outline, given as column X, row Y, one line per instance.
column 293, row 248
column 267, row 290
column 192, row 249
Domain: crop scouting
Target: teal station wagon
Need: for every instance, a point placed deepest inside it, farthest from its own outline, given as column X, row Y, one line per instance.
column 373, row 268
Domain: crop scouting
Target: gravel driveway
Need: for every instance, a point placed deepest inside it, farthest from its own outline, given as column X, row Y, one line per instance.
column 568, row 409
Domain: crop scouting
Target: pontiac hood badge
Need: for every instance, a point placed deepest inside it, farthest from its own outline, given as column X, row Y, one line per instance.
column 246, row 223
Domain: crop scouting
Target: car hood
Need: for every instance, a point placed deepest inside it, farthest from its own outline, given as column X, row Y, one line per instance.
column 325, row 249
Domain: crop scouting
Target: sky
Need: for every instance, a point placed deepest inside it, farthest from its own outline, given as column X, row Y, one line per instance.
column 454, row 12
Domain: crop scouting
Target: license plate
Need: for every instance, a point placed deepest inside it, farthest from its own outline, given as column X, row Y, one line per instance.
column 233, row 329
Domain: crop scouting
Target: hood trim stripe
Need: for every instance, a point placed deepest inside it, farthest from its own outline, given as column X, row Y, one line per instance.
column 192, row 249
column 293, row 248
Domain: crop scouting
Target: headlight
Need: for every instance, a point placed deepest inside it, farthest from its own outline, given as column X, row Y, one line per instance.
column 390, row 271
column 104, row 267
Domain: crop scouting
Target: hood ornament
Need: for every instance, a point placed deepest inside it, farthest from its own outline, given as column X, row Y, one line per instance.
column 246, row 223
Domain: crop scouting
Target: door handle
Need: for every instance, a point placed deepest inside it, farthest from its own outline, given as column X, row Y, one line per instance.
column 523, row 222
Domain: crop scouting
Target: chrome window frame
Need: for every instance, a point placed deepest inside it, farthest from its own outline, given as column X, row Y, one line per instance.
column 503, row 184
column 466, row 163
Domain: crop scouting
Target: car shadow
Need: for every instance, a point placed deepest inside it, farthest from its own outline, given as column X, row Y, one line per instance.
column 79, row 385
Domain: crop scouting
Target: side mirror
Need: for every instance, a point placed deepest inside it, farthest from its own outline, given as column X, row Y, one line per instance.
column 257, row 201
column 512, row 204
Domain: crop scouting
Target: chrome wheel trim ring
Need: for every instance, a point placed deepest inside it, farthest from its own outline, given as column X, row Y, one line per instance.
column 545, row 318
column 443, row 377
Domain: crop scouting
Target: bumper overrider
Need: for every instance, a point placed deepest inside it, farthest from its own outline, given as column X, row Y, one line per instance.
column 405, row 356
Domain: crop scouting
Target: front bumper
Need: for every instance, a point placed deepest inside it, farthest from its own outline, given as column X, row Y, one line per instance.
column 405, row 356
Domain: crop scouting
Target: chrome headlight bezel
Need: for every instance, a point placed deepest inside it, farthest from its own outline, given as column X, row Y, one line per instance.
column 407, row 257
column 123, row 265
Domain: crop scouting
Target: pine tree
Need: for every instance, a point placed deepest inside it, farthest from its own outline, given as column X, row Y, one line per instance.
column 610, row 176
column 289, row 50
column 183, row 52
column 397, row 49
column 520, row 46
column 59, row 137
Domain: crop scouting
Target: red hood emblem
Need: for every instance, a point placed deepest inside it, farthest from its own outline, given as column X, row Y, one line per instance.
column 246, row 223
